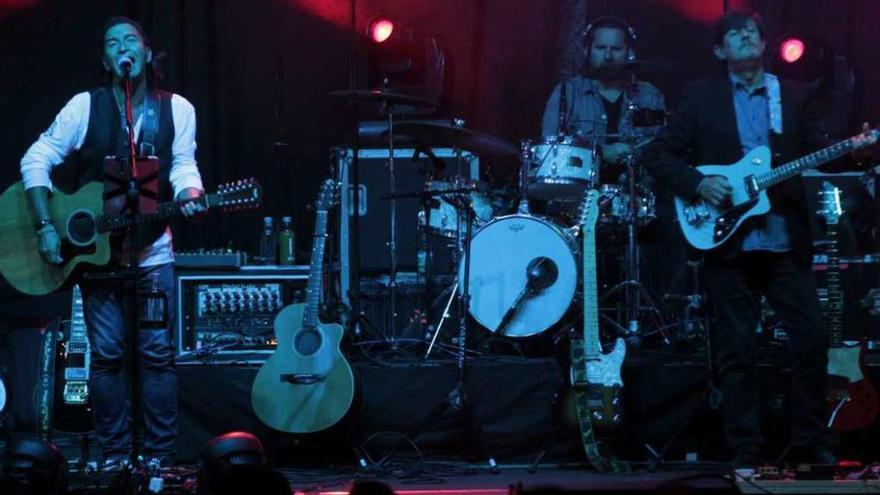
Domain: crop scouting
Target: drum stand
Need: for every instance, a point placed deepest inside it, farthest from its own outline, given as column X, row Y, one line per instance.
column 392, row 235
column 631, row 284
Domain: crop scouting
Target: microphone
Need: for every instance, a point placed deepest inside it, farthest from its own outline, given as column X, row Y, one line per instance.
column 562, row 126
column 541, row 273
column 125, row 63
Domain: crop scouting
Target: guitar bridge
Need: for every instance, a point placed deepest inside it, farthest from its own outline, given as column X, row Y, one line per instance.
column 302, row 378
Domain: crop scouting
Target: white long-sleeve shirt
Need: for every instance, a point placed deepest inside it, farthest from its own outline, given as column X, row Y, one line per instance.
column 68, row 132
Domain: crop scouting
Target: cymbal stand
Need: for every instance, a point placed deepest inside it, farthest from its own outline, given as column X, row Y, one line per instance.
column 633, row 280
column 525, row 158
column 392, row 235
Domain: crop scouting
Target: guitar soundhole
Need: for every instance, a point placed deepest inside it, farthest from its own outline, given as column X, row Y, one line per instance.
column 81, row 228
column 307, row 341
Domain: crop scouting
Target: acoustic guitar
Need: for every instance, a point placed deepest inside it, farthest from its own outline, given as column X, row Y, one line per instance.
column 84, row 230
column 306, row 385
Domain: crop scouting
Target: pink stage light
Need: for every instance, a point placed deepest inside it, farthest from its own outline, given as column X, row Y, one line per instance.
column 791, row 50
column 381, row 29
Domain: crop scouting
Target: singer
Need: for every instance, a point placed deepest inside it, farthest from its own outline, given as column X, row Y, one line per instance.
column 91, row 126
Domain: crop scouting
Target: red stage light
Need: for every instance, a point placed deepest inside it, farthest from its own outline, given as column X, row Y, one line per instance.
column 791, row 50
column 381, row 29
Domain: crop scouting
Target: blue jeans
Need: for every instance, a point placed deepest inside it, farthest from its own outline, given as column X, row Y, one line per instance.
column 106, row 310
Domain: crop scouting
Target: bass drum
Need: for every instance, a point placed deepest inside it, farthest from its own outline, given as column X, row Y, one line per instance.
column 500, row 255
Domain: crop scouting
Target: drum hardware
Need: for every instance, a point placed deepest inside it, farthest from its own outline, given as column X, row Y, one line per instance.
column 453, row 291
column 456, row 136
column 384, row 97
column 431, row 199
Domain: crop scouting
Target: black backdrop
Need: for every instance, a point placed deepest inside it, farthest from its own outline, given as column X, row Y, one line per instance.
column 259, row 72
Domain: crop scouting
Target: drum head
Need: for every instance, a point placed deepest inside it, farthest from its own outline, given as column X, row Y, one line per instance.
column 500, row 254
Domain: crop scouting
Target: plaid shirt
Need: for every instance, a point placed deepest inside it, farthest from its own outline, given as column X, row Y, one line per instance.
column 586, row 113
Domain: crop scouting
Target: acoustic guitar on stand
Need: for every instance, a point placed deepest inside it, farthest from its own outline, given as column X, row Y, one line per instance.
column 306, row 385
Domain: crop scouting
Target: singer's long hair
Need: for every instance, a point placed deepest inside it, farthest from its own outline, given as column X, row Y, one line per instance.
column 152, row 69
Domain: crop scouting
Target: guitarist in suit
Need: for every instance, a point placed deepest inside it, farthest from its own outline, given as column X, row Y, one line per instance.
column 718, row 121
column 89, row 127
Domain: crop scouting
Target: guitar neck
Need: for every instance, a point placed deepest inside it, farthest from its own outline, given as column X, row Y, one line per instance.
column 592, row 348
column 834, row 308
column 813, row 160
column 107, row 223
column 316, row 271
column 77, row 319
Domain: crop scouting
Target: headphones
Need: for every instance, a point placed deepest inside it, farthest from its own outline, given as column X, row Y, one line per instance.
column 612, row 22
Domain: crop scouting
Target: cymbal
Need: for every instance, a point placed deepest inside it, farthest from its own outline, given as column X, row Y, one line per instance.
column 456, row 136
column 383, row 96
column 626, row 69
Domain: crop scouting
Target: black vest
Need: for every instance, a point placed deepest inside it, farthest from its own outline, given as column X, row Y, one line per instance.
column 106, row 137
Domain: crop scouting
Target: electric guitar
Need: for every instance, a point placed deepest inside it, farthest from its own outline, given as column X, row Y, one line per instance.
column 84, row 230
column 597, row 375
column 72, row 403
column 706, row 227
column 63, row 402
column 306, row 385
column 851, row 396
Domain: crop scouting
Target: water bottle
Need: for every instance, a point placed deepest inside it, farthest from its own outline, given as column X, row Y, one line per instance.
column 267, row 242
column 287, row 242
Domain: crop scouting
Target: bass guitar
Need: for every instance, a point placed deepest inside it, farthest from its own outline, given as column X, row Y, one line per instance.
column 706, row 227
column 84, row 230
column 852, row 398
column 306, row 385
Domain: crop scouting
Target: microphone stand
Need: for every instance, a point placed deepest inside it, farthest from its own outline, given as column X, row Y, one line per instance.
column 130, row 280
column 562, row 128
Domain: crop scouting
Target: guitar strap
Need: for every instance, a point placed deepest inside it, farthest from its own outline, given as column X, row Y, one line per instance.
column 152, row 112
column 46, row 386
column 598, row 453
column 774, row 97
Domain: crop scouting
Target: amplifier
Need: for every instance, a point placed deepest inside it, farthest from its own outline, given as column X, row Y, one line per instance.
column 233, row 312
column 211, row 259
column 375, row 210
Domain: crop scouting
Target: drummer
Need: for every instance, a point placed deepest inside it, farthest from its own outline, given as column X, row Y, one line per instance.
column 601, row 100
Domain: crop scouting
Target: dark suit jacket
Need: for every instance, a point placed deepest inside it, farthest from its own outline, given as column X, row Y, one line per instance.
column 703, row 132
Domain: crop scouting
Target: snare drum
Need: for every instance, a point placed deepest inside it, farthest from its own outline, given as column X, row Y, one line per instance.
column 614, row 203
column 560, row 168
column 500, row 254
column 445, row 208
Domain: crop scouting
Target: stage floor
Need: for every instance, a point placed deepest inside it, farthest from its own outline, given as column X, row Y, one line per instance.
column 445, row 478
